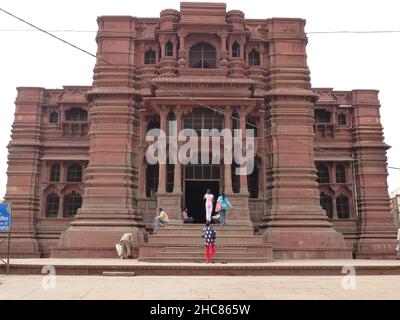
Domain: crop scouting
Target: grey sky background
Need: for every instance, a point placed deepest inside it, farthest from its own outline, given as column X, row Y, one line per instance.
column 339, row 61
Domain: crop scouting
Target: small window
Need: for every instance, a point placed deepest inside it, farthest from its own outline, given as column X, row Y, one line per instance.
column 322, row 116
column 55, row 173
column 323, row 174
column 52, row 205
column 342, row 119
column 169, row 49
column 74, row 173
column 254, row 58
column 76, row 114
column 340, row 174
column 150, row 57
column 236, row 50
column 72, row 202
column 326, row 204
column 342, row 205
column 53, row 117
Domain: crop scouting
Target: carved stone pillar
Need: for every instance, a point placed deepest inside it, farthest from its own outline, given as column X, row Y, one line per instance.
column 296, row 225
column 24, row 173
column 228, row 166
column 109, row 208
column 170, row 202
column 377, row 228
column 178, row 167
column 162, row 172
column 244, row 190
column 334, row 208
column 239, row 214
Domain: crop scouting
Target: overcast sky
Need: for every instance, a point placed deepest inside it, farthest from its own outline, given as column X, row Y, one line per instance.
column 339, row 61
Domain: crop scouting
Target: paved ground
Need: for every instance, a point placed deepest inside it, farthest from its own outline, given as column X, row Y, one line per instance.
column 199, row 287
column 109, row 262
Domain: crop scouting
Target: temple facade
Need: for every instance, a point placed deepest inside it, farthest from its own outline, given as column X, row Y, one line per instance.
column 78, row 176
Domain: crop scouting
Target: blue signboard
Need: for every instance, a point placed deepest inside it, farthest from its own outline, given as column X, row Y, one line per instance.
column 5, row 217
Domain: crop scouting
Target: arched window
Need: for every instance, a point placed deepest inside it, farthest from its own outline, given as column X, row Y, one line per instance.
column 323, row 173
column 202, row 55
column 322, row 116
column 236, row 50
column 76, row 114
column 53, row 118
column 52, row 205
column 151, row 180
column 169, row 49
column 326, row 204
column 254, row 58
column 342, row 207
column 72, row 202
column 340, row 174
column 150, row 57
column 341, row 119
column 74, row 173
column 55, row 173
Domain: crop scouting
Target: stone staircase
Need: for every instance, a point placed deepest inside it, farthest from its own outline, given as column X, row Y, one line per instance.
column 178, row 242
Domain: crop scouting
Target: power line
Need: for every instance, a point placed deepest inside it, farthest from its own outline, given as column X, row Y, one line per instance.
column 177, row 93
column 121, row 32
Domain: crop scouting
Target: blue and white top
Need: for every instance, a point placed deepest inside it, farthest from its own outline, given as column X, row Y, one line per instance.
column 209, row 235
column 224, row 202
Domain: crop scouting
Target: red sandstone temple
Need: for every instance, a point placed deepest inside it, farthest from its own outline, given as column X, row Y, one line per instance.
column 78, row 177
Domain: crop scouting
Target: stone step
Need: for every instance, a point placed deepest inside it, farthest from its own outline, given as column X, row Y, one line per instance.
column 199, row 255
column 196, row 239
column 231, row 250
column 169, row 231
column 202, row 260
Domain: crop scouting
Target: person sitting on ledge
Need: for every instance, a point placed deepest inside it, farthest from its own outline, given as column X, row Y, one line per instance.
column 185, row 217
column 160, row 220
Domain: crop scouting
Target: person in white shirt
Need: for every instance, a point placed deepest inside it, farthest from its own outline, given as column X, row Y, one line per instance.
column 209, row 198
column 127, row 243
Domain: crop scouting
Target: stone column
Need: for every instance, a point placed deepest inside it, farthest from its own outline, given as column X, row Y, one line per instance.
column 296, row 225
column 239, row 214
column 334, row 208
column 61, row 207
column 228, row 166
column 377, row 229
column 244, row 190
column 182, row 50
column 178, row 167
column 224, row 52
column 162, row 172
column 109, row 208
column 24, row 174
column 170, row 202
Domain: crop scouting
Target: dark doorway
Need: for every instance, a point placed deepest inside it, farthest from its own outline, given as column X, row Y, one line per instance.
column 194, row 193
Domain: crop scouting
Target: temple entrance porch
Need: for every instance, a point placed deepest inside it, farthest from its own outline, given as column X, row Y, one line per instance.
column 194, row 192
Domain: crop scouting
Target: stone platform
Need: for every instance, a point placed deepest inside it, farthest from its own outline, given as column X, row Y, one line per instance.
column 275, row 268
